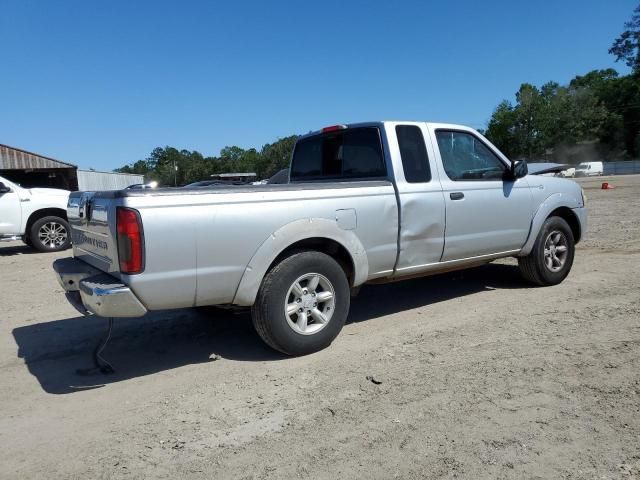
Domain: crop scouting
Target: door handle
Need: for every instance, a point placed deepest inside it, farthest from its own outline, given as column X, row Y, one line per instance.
column 456, row 195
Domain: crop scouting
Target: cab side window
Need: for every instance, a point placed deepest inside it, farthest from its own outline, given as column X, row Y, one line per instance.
column 413, row 153
column 465, row 157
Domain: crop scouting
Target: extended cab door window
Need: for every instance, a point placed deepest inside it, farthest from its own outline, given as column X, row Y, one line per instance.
column 349, row 154
column 464, row 157
column 413, row 153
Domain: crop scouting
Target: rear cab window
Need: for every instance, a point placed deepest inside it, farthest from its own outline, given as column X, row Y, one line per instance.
column 339, row 155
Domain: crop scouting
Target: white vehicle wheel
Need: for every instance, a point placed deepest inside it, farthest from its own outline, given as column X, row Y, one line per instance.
column 50, row 234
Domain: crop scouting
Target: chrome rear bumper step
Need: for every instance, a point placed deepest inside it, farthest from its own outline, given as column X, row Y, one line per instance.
column 70, row 271
column 90, row 290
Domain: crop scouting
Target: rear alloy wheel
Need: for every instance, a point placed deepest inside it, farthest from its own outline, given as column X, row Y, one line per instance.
column 50, row 234
column 551, row 257
column 310, row 304
column 302, row 303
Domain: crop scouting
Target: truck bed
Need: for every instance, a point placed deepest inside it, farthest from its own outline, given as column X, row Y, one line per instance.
column 186, row 250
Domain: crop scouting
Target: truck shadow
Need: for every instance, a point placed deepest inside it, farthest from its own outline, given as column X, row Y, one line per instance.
column 386, row 299
column 160, row 341
column 20, row 249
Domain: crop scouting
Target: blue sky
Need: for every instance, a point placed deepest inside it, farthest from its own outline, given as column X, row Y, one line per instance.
column 100, row 84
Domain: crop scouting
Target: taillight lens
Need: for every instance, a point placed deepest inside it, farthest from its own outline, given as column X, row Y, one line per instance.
column 130, row 241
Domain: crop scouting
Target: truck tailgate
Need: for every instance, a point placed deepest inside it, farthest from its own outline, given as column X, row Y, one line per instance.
column 92, row 220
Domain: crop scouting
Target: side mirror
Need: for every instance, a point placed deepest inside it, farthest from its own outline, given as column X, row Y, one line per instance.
column 4, row 188
column 518, row 169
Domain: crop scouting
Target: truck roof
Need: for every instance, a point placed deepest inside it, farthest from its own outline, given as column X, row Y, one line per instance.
column 379, row 123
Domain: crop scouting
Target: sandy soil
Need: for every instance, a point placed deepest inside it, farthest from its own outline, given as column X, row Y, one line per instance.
column 481, row 376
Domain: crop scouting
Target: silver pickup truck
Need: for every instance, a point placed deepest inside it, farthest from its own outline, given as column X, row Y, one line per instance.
column 366, row 202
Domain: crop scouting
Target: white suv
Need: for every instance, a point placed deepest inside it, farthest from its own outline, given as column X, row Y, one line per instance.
column 38, row 215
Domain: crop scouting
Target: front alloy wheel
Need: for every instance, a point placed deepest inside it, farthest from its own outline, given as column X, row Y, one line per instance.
column 556, row 250
column 551, row 257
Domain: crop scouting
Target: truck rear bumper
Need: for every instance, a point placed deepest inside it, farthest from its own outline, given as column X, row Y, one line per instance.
column 91, row 291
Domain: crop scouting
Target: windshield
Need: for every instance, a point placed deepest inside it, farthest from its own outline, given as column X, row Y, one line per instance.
column 8, row 182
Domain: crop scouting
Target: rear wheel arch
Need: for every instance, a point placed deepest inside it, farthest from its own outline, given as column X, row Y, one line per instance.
column 317, row 234
column 323, row 245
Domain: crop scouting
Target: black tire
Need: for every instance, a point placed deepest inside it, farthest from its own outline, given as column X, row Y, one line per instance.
column 51, row 244
column 26, row 239
column 268, row 312
column 534, row 266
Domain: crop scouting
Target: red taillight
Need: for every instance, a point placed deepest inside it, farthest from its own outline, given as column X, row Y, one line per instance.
column 333, row 128
column 130, row 240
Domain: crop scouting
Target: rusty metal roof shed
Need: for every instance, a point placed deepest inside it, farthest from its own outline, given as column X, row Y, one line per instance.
column 12, row 158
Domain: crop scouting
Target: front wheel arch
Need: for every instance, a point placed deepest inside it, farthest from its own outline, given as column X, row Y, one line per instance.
column 557, row 204
column 568, row 216
column 534, row 267
column 44, row 212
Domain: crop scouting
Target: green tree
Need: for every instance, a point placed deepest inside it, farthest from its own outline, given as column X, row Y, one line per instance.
column 236, row 159
column 140, row 167
column 501, row 129
column 627, row 46
column 170, row 166
column 620, row 95
column 547, row 118
column 276, row 156
column 527, row 120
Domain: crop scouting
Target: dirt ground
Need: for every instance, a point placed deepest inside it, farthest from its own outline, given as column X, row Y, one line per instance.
column 477, row 375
